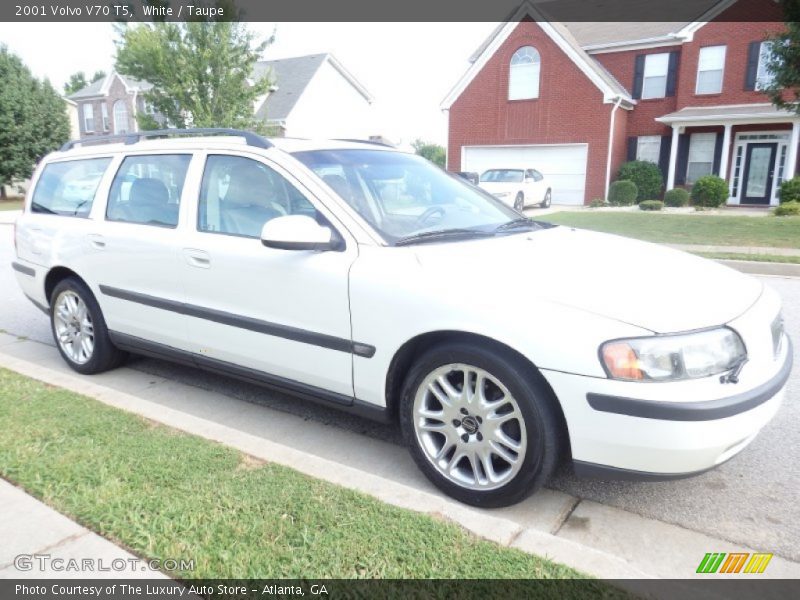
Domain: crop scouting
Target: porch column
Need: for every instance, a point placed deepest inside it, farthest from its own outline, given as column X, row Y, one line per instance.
column 673, row 157
column 791, row 159
column 726, row 151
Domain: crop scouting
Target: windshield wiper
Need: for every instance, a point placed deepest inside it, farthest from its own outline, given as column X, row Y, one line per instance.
column 431, row 236
column 516, row 224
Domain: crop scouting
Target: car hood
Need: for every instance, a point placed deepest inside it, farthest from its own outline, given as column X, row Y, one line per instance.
column 494, row 187
column 643, row 284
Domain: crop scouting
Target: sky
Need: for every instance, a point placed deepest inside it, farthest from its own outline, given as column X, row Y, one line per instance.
column 407, row 67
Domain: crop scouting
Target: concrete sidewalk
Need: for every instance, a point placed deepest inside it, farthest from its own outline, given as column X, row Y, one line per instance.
column 599, row 540
column 39, row 542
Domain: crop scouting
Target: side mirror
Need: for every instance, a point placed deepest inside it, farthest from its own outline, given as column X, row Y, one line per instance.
column 529, row 180
column 298, row 232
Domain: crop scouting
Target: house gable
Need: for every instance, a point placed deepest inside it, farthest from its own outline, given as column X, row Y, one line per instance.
column 561, row 37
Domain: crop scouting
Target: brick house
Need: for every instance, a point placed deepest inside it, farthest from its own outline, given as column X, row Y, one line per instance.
column 109, row 105
column 577, row 100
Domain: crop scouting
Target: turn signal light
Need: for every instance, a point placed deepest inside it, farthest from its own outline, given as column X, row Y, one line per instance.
column 622, row 361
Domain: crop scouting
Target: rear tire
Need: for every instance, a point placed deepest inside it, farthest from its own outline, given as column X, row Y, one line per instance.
column 79, row 329
column 547, row 199
column 492, row 445
column 519, row 202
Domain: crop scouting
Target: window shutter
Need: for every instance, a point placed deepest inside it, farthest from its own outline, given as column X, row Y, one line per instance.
column 663, row 157
column 752, row 66
column 672, row 73
column 683, row 159
column 638, row 76
column 632, row 147
column 717, row 154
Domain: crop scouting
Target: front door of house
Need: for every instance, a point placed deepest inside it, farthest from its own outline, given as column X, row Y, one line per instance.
column 759, row 169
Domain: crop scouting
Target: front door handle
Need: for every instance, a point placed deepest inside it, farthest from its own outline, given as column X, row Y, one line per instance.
column 197, row 258
column 97, row 241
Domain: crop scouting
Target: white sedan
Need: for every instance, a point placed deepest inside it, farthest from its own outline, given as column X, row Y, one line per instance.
column 518, row 188
column 369, row 279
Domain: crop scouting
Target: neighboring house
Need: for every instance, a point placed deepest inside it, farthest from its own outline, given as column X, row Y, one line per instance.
column 576, row 100
column 315, row 97
column 109, row 105
column 74, row 120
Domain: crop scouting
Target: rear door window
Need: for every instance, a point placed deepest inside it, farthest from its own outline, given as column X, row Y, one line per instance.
column 69, row 187
column 147, row 189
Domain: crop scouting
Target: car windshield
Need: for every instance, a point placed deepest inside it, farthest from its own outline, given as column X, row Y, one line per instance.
column 404, row 196
column 502, row 175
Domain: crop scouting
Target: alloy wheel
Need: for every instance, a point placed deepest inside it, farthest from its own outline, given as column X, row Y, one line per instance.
column 469, row 427
column 73, row 327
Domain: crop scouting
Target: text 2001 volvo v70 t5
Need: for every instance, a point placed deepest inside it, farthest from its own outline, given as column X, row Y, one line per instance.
column 367, row 278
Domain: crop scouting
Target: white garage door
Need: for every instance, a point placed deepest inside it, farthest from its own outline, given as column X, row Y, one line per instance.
column 563, row 165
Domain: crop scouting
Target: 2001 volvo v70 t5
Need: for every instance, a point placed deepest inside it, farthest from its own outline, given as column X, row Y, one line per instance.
column 367, row 278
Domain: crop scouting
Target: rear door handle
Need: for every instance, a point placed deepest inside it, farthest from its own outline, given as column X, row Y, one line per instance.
column 97, row 241
column 197, row 258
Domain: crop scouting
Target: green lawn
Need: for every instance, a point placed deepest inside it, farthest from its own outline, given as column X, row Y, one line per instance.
column 771, row 258
column 166, row 494
column 12, row 204
column 776, row 232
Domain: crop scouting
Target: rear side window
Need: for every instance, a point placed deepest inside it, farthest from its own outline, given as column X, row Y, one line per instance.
column 68, row 187
column 147, row 189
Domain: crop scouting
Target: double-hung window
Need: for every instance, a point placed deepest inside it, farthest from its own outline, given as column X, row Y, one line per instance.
column 764, row 76
column 701, row 156
column 648, row 148
column 656, row 68
column 88, row 118
column 710, row 69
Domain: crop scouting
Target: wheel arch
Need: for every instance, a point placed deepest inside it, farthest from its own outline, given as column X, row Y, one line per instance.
column 56, row 275
column 405, row 356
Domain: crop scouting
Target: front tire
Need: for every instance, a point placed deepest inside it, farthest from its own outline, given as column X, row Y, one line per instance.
column 479, row 424
column 519, row 202
column 547, row 199
column 79, row 329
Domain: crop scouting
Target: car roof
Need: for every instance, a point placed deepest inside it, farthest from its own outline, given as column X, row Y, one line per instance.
column 88, row 146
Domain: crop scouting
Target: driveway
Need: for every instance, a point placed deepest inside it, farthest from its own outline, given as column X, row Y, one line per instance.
column 750, row 501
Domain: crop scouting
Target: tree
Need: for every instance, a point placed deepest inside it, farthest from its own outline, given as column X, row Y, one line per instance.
column 433, row 152
column 77, row 81
column 33, row 120
column 200, row 71
column 783, row 62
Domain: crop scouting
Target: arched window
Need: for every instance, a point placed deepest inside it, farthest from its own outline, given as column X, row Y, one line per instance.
column 121, row 122
column 523, row 75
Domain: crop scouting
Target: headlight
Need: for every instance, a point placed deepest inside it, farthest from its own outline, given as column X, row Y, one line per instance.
column 673, row 357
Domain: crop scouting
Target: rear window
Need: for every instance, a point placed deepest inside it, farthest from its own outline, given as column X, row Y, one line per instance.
column 69, row 187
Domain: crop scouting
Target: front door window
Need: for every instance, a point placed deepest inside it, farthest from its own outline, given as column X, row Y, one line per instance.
column 759, row 172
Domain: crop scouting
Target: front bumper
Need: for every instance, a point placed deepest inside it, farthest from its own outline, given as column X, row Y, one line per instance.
column 614, row 435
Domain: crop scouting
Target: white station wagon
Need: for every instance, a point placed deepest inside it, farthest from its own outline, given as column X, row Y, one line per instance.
column 368, row 279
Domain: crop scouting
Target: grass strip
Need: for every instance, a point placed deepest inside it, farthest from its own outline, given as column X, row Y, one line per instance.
column 774, row 232
column 12, row 204
column 770, row 258
column 165, row 494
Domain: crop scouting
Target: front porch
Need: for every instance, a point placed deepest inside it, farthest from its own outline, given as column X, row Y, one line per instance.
column 753, row 147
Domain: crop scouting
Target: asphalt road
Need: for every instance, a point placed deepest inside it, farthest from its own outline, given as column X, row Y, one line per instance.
column 751, row 500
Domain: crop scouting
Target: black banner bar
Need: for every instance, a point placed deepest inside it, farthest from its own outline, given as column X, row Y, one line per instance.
column 129, row 11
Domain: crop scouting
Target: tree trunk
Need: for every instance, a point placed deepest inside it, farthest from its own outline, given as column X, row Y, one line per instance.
column 2, row 192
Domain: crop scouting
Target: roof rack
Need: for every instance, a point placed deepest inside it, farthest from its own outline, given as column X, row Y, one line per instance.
column 357, row 141
column 252, row 139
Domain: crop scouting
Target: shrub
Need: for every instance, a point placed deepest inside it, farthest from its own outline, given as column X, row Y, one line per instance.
column 790, row 190
column 710, row 191
column 676, row 197
column 646, row 176
column 651, row 205
column 598, row 203
column 622, row 193
column 787, row 209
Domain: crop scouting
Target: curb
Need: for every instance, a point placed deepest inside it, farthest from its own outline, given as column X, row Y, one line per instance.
column 497, row 529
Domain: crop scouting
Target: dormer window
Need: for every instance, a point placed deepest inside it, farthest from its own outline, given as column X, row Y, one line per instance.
column 523, row 75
